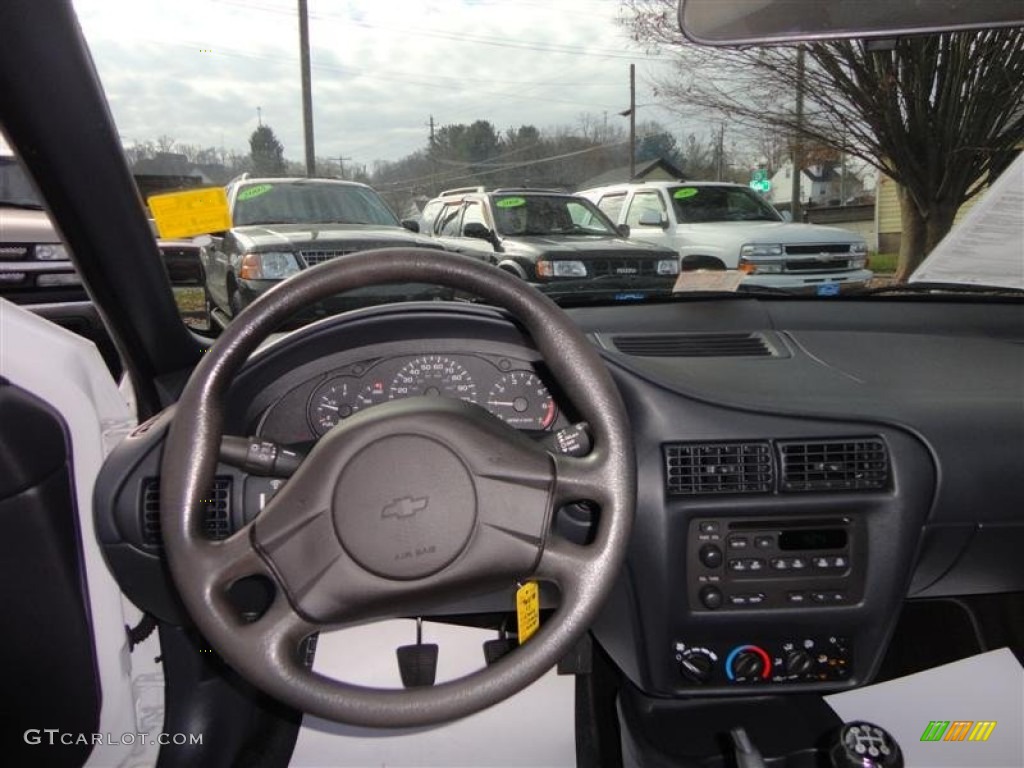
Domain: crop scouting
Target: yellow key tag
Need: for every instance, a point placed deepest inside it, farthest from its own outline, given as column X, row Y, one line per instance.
column 527, row 610
column 195, row 212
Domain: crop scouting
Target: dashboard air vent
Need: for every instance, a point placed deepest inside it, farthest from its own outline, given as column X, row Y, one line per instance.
column 693, row 469
column 694, row 345
column 834, row 465
column 216, row 511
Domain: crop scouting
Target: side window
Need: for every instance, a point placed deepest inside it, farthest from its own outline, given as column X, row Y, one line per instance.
column 611, row 205
column 448, row 221
column 645, row 202
column 474, row 214
column 429, row 214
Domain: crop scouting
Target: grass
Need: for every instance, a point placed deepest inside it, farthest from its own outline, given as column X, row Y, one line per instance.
column 192, row 306
column 883, row 263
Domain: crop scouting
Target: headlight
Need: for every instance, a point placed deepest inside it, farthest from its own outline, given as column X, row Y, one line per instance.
column 272, row 265
column 54, row 252
column 859, row 262
column 668, row 267
column 561, row 269
column 760, row 267
column 754, row 249
column 859, row 249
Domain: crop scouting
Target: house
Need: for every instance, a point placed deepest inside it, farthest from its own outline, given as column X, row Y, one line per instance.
column 820, row 184
column 658, row 169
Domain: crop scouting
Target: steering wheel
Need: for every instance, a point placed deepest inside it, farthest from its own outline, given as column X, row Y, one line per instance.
column 401, row 507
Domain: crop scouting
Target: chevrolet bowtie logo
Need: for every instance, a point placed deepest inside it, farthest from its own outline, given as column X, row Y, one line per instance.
column 406, row 506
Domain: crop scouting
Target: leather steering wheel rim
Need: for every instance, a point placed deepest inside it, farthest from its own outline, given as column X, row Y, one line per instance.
column 265, row 651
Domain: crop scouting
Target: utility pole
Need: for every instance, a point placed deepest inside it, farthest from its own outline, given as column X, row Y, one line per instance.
column 432, row 154
column 307, row 90
column 795, row 206
column 720, row 152
column 631, row 114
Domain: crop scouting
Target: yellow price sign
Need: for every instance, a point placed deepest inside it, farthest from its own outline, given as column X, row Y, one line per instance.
column 528, row 610
column 191, row 213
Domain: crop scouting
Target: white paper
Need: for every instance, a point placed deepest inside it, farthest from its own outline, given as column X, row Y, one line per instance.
column 987, row 687
column 533, row 728
column 987, row 246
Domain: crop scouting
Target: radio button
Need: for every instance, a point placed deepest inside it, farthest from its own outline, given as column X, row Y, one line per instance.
column 738, row 600
column 738, row 565
column 822, row 562
column 763, row 542
column 839, row 562
column 710, row 556
column 738, row 542
column 711, row 597
column 796, row 598
column 798, row 563
column 820, row 597
column 755, row 565
column 708, row 526
column 756, row 599
column 780, row 564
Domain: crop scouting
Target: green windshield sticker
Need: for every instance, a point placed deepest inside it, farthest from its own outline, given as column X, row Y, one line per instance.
column 685, row 192
column 255, row 191
column 511, row 202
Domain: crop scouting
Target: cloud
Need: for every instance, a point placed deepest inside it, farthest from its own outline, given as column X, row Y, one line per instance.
column 197, row 70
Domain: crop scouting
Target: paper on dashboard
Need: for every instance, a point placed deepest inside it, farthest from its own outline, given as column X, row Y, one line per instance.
column 934, row 714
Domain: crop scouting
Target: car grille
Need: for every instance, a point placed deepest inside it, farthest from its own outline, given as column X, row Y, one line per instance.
column 312, row 258
column 603, row 267
column 816, row 265
column 821, row 248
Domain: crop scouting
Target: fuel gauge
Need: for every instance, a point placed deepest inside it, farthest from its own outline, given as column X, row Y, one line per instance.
column 332, row 401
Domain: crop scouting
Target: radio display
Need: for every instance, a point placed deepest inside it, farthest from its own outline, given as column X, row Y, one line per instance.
column 831, row 538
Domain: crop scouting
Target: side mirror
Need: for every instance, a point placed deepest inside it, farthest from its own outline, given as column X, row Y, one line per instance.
column 477, row 230
column 623, row 230
column 787, row 216
column 411, row 224
column 652, row 219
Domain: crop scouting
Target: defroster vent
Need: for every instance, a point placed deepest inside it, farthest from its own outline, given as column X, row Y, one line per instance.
column 694, row 345
column 716, row 468
column 834, row 465
column 216, row 511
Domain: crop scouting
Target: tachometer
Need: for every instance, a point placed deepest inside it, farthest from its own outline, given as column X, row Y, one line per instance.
column 433, row 375
column 520, row 399
column 331, row 402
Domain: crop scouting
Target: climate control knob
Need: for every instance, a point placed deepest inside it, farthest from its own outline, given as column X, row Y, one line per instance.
column 747, row 663
column 799, row 663
column 696, row 666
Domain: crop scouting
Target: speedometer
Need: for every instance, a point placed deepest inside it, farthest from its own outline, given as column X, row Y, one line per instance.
column 433, row 376
column 520, row 399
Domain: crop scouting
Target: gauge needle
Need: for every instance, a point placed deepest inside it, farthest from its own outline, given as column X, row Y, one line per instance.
column 331, row 407
column 500, row 402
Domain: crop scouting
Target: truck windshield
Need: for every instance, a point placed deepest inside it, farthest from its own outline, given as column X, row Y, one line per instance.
column 699, row 204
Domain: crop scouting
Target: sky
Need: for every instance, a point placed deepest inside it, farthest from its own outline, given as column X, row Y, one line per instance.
column 197, row 70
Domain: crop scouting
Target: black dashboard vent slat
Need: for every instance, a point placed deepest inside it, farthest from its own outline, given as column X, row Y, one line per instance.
column 693, row 469
column 216, row 511
column 694, row 345
column 834, row 465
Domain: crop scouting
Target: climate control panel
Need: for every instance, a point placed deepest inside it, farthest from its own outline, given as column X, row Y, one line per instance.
column 794, row 660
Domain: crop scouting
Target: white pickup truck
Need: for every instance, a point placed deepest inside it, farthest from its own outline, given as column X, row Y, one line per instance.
column 714, row 225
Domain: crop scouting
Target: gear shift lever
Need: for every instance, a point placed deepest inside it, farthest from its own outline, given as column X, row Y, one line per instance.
column 864, row 745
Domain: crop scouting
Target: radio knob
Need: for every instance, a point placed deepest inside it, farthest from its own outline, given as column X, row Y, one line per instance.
column 747, row 664
column 710, row 556
column 696, row 666
column 799, row 663
column 711, row 597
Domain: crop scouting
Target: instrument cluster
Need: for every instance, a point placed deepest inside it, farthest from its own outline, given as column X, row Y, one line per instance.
column 508, row 388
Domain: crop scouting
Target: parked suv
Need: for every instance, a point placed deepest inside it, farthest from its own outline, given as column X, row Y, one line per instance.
column 713, row 225
column 281, row 226
column 547, row 237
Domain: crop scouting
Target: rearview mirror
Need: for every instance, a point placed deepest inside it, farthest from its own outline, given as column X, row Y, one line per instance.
column 652, row 219
column 477, row 230
column 742, row 22
column 411, row 224
column 623, row 230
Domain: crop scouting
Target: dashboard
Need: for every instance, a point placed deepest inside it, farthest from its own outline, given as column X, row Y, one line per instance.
column 802, row 469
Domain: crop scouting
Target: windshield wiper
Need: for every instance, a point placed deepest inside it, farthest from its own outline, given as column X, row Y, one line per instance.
column 933, row 288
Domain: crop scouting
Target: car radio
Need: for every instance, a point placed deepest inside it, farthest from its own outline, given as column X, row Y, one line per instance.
column 743, row 564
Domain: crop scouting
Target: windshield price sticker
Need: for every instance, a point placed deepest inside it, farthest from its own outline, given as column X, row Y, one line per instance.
column 195, row 212
column 527, row 610
column 685, row 192
column 511, row 202
column 254, row 191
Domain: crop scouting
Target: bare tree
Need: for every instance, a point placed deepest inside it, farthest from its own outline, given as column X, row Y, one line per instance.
column 940, row 114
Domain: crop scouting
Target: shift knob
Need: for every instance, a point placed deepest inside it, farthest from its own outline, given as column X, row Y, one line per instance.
column 865, row 745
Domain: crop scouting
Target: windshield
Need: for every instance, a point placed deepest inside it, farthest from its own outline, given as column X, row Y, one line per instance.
column 433, row 106
column 302, row 202
column 548, row 215
column 700, row 205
